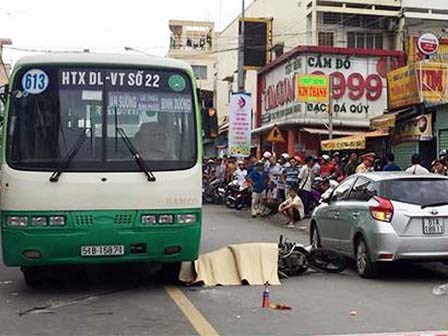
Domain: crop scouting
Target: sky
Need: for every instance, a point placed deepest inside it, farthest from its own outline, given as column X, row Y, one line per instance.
column 103, row 25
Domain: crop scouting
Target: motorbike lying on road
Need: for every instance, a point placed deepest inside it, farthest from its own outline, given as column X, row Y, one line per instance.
column 294, row 259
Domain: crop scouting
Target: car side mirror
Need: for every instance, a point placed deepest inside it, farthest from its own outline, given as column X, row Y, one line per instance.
column 327, row 198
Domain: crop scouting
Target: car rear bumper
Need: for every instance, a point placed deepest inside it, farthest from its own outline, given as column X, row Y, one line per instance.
column 395, row 247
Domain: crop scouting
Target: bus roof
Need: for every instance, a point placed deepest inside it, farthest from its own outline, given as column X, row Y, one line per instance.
column 101, row 58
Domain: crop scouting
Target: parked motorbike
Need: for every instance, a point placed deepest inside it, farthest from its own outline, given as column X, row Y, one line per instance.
column 243, row 197
column 214, row 192
column 230, row 195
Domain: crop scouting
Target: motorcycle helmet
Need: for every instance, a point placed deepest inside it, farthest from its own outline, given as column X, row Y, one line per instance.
column 267, row 155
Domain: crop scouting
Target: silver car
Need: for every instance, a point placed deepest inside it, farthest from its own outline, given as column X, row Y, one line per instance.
column 383, row 217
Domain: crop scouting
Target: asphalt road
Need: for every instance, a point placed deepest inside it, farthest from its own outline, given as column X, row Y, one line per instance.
column 132, row 300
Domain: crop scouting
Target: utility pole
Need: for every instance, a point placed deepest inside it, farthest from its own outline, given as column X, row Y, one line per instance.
column 241, row 72
column 330, row 109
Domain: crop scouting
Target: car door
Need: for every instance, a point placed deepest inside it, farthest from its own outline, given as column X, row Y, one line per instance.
column 356, row 212
column 330, row 217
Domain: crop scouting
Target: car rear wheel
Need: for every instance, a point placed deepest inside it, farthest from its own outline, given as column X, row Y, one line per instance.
column 364, row 265
column 315, row 237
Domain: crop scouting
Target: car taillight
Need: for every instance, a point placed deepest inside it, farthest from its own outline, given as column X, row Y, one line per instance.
column 383, row 211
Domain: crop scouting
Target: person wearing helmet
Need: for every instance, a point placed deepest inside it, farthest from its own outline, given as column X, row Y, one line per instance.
column 368, row 160
column 240, row 173
column 438, row 168
column 416, row 168
column 326, row 168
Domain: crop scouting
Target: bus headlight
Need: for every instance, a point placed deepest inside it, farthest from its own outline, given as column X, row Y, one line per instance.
column 17, row 221
column 166, row 219
column 186, row 218
column 39, row 221
column 149, row 219
column 57, row 220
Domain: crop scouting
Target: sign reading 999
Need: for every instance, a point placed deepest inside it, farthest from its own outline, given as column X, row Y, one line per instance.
column 358, row 88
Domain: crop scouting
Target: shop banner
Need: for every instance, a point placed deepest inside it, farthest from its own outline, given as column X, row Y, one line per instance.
column 385, row 122
column 415, row 129
column 313, row 89
column 240, row 121
column 415, row 55
column 358, row 88
column 352, row 142
column 402, row 88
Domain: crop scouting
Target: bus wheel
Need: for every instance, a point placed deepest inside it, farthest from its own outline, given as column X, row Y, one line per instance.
column 170, row 273
column 34, row 277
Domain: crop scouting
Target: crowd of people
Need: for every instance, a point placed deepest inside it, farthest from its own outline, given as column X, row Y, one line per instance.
column 289, row 184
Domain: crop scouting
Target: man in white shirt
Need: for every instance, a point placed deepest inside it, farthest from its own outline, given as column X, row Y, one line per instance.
column 292, row 208
column 240, row 173
column 306, row 178
column 416, row 168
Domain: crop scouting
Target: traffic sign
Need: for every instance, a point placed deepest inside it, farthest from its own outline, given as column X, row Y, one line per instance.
column 275, row 135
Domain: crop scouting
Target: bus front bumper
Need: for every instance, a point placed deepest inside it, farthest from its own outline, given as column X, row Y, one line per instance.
column 167, row 244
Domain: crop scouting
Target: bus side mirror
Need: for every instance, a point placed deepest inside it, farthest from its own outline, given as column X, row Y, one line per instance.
column 3, row 94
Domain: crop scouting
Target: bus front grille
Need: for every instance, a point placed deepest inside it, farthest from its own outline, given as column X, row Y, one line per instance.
column 124, row 219
column 83, row 220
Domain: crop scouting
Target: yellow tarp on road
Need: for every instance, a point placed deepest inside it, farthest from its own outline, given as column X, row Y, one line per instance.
column 254, row 263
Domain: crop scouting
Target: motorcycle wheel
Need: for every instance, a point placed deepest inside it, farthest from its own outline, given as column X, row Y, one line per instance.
column 297, row 262
column 325, row 260
column 239, row 204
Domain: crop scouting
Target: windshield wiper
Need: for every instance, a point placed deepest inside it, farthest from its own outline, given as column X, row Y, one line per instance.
column 137, row 156
column 70, row 155
column 434, row 204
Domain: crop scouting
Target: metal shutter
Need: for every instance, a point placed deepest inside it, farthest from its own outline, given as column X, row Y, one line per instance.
column 403, row 153
column 443, row 139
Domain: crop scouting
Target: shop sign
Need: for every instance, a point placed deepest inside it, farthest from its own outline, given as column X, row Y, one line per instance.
column 415, row 129
column 415, row 55
column 354, row 142
column 428, row 44
column 432, row 81
column 418, row 83
column 358, row 88
column 312, row 88
column 402, row 88
column 385, row 122
column 240, row 117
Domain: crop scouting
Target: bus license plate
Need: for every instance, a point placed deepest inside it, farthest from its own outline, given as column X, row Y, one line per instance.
column 102, row 250
column 433, row 226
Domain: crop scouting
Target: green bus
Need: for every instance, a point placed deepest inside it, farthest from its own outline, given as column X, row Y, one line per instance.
column 101, row 162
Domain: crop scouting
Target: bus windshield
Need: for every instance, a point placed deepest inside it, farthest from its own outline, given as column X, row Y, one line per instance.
column 51, row 106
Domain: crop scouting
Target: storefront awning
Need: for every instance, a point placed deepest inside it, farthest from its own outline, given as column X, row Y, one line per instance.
column 326, row 132
column 383, row 122
column 357, row 141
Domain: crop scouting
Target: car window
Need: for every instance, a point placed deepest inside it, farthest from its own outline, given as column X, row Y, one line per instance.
column 418, row 191
column 343, row 190
column 363, row 190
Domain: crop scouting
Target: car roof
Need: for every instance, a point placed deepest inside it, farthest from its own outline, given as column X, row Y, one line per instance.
column 101, row 58
column 396, row 175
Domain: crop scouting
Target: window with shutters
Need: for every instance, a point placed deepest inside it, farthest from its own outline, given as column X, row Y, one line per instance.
column 326, row 39
column 364, row 40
